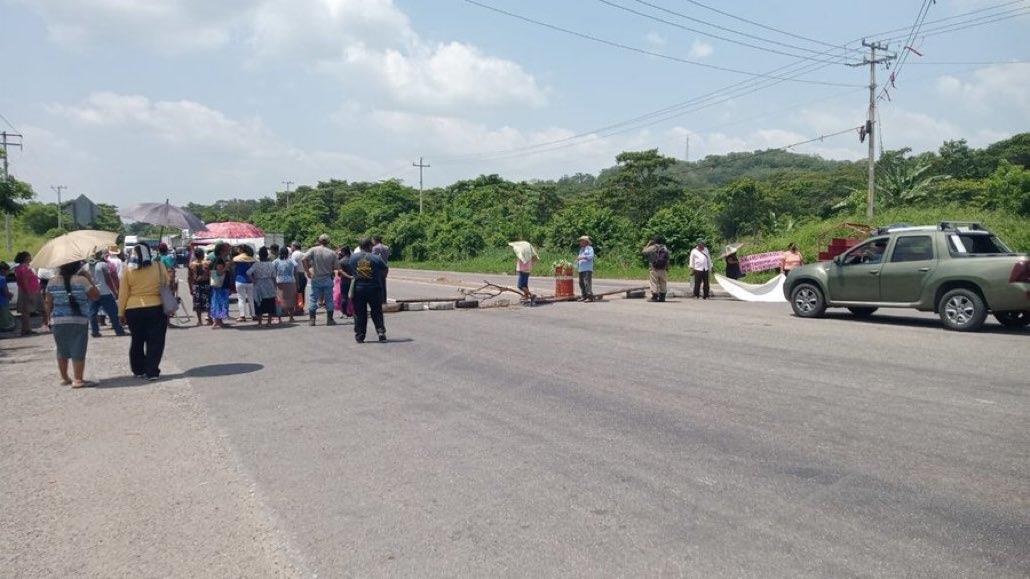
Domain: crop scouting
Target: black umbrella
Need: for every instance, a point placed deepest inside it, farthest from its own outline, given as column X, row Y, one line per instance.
column 164, row 214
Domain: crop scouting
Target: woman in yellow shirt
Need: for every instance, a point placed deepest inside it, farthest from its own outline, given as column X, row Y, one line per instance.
column 139, row 306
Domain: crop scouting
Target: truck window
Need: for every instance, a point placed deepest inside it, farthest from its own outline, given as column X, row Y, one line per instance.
column 869, row 252
column 976, row 243
column 913, row 248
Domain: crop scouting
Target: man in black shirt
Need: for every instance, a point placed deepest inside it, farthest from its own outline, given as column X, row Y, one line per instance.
column 369, row 271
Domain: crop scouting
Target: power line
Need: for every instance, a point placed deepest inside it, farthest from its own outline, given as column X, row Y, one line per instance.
column 770, row 28
column 906, row 50
column 638, row 49
column 9, row 123
column 716, row 36
column 954, row 17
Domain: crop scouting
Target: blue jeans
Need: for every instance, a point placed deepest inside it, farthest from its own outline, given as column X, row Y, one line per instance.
column 320, row 288
column 110, row 307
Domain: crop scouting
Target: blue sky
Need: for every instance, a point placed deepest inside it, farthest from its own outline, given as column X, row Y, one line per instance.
column 195, row 100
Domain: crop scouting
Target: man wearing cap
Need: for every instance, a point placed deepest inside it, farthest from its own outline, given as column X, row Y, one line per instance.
column 585, row 265
column 320, row 264
column 701, row 264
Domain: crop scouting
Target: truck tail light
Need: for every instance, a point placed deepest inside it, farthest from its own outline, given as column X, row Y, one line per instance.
column 1020, row 272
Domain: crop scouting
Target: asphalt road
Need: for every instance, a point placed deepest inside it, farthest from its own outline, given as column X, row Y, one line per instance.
column 627, row 438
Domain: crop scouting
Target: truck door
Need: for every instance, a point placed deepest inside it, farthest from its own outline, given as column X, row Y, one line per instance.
column 855, row 278
column 904, row 275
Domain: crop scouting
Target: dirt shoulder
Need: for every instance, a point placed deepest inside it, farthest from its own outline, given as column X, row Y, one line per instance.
column 128, row 478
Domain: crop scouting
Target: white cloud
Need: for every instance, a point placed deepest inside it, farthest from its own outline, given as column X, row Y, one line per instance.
column 177, row 122
column 700, row 49
column 990, row 88
column 447, row 75
column 654, row 40
column 373, row 38
column 169, row 26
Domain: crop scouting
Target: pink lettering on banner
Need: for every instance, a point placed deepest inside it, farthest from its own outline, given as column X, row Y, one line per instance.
column 761, row 261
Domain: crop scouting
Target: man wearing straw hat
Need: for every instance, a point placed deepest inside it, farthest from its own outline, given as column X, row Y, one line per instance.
column 585, row 266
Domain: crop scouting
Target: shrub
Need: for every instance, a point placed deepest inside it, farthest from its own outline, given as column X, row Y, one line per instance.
column 681, row 226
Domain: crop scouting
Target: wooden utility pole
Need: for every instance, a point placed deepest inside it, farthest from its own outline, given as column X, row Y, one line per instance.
column 8, row 140
column 870, row 123
column 420, row 166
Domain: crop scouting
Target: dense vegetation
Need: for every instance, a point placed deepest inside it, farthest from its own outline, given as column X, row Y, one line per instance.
column 766, row 198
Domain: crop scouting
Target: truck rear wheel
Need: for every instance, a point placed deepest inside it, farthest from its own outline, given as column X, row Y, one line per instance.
column 807, row 301
column 962, row 310
column 1016, row 319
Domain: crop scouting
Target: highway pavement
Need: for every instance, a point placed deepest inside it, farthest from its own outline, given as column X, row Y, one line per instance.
column 700, row 438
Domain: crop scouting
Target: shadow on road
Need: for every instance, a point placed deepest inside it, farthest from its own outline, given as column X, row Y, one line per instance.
column 209, row 371
column 885, row 320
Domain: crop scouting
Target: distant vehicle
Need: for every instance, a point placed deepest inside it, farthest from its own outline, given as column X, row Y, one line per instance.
column 961, row 271
column 132, row 241
column 182, row 256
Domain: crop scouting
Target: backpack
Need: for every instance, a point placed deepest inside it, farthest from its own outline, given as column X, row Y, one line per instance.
column 661, row 258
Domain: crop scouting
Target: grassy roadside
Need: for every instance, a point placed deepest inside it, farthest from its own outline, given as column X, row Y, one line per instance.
column 21, row 240
column 811, row 237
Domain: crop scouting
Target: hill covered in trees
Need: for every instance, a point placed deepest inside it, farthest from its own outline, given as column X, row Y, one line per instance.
column 764, row 197
column 755, row 195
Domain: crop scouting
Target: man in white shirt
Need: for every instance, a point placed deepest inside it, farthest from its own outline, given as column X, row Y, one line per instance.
column 701, row 264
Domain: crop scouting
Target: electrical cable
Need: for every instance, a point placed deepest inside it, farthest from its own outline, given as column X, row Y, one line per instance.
column 642, row 50
column 760, row 25
column 716, row 36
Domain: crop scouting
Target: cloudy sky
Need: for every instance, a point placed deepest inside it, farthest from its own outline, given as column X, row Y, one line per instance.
column 138, row 100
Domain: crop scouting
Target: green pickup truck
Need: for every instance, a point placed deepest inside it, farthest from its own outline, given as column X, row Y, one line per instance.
column 961, row 271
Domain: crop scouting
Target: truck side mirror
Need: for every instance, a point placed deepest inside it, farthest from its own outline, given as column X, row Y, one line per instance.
column 839, row 259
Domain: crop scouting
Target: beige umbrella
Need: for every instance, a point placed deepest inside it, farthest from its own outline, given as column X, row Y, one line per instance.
column 523, row 250
column 75, row 246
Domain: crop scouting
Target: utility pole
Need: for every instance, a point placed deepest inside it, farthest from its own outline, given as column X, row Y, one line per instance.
column 58, row 189
column 872, row 61
column 686, row 153
column 8, row 140
column 420, row 166
column 287, row 183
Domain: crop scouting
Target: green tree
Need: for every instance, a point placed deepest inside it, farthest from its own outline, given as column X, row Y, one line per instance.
column 681, row 225
column 108, row 219
column 39, row 217
column 901, row 180
column 1008, row 188
column 608, row 231
column 743, row 209
column 640, row 185
column 13, row 194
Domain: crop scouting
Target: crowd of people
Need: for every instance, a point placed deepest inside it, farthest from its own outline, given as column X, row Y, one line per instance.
column 136, row 293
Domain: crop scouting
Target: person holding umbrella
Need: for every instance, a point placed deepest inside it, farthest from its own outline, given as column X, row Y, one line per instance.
column 525, row 258
column 66, row 312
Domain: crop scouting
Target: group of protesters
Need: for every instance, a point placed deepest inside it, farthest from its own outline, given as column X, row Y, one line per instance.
column 284, row 281
column 658, row 257
column 270, row 283
column 131, row 293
